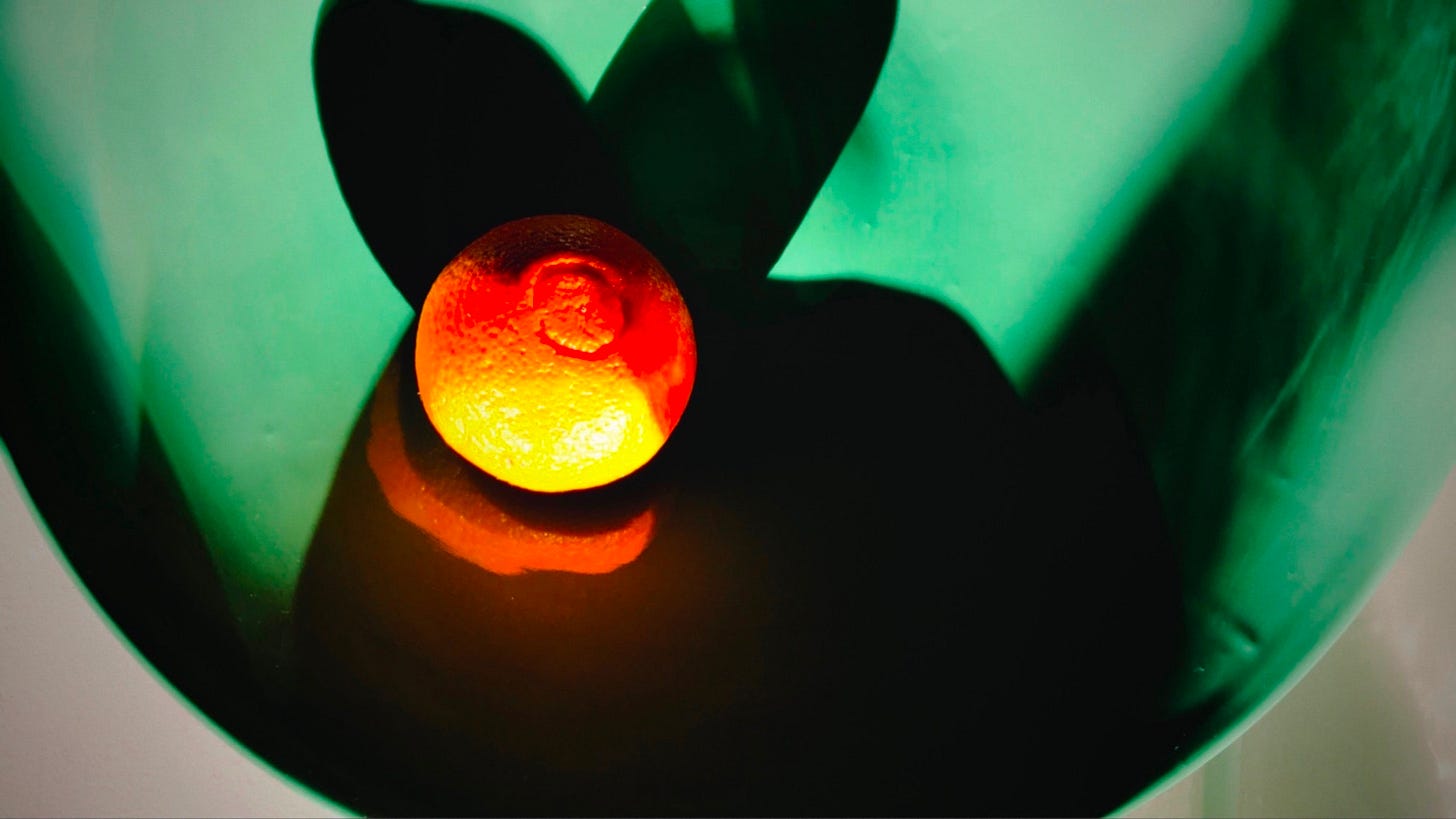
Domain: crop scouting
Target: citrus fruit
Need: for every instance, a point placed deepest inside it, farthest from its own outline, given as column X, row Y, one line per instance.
column 555, row 353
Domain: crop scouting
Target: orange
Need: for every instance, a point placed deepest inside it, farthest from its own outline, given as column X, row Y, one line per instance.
column 555, row 353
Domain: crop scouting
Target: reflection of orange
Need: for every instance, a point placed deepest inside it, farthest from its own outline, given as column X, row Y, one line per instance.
column 461, row 516
column 555, row 353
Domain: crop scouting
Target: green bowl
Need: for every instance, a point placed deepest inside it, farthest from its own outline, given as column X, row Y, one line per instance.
column 1064, row 392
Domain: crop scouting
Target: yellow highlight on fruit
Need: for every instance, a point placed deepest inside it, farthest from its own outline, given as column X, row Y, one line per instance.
column 555, row 353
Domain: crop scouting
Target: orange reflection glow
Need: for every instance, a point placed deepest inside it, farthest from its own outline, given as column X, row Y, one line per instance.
column 555, row 353
column 436, row 492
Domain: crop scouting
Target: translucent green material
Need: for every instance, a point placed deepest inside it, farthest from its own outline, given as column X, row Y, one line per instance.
column 155, row 147
column 1009, row 146
column 1242, row 299
column 1297, row 408
column 1308, row 544
column 172, row 154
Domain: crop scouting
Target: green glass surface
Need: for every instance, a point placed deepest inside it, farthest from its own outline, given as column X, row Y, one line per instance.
column 1010, row 146
column 1286, row 351
column 1183, row 269
column 172, row 155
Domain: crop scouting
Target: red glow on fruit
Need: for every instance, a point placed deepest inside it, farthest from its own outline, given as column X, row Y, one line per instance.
column 555, row 353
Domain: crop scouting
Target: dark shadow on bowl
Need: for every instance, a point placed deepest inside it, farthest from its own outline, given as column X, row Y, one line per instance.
column 877, row 585
column 724, row 136
column 706, row 146
column 444, row 123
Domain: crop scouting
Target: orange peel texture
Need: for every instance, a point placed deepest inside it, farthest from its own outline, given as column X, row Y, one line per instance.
column 463, row 519
column 555, row 353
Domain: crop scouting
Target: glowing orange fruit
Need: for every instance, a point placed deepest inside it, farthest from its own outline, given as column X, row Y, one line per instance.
column 555, row 353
